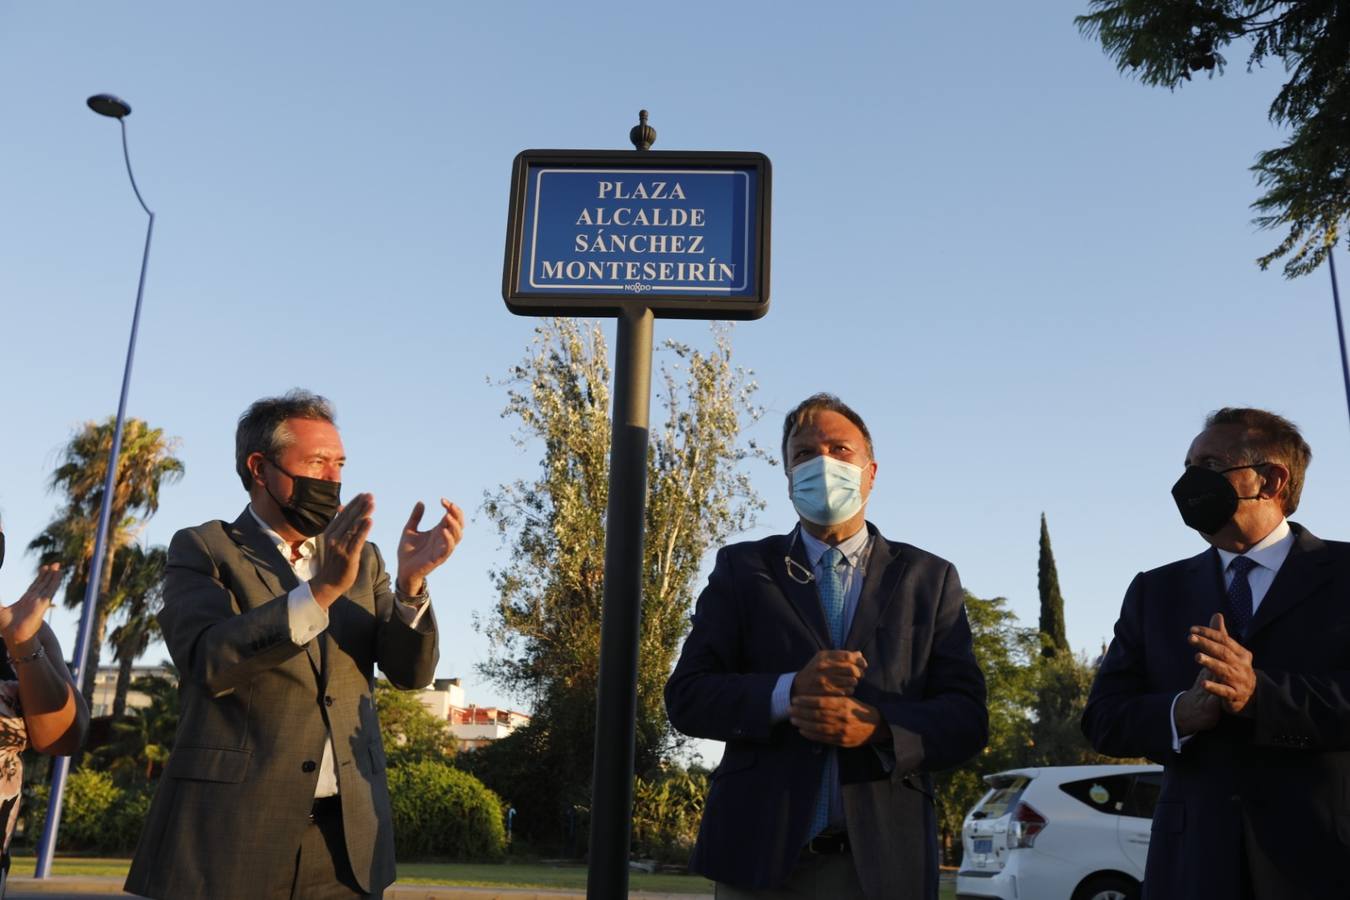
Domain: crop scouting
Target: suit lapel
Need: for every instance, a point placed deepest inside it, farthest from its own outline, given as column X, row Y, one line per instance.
column 885, row 564
column 803, row 598
column 1204, row 588
column 1307, row 568
column 273, row 569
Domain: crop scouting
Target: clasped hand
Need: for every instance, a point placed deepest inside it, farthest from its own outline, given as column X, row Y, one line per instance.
column 1226, row 681
column 419, row 552
column 823, row 707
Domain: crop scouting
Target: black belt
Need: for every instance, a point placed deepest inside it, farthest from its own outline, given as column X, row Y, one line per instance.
column 326, row 808
column 827, row 844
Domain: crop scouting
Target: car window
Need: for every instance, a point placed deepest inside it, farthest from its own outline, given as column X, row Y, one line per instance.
column 1144, row 795
column 1002, row 798
column 1110, row 794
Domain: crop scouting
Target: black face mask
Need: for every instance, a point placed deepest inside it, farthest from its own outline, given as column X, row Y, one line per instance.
column 314, row 502
column 2, row 549
column 1206, row 499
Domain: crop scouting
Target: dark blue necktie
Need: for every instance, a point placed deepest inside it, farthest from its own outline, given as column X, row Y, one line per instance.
column 1240, row 596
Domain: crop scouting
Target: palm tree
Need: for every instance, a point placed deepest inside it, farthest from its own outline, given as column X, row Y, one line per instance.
column 139, row 743
column 145, row 463
column 138, row 592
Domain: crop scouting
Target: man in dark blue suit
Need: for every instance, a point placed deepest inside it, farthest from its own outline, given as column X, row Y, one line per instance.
column 1232, row 669
column 837, row 667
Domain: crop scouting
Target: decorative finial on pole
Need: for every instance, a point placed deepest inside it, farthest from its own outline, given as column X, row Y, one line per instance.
column 642, row 134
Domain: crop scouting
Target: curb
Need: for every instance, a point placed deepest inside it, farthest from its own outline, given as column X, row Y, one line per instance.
column 111, row 886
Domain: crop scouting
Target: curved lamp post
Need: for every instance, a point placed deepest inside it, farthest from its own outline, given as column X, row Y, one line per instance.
column 115, row 108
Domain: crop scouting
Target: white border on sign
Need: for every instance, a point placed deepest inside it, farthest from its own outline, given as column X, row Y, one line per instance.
column 534, row 230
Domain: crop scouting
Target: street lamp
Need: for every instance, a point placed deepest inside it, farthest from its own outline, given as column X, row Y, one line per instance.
column 115, row 108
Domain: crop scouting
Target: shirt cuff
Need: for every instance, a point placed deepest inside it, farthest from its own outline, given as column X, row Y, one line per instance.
column 781, row 698
column 307, row 618
column 1177, row 740
column 410, row 612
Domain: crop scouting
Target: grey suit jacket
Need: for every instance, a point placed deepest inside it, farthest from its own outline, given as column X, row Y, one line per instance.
column 234, row 799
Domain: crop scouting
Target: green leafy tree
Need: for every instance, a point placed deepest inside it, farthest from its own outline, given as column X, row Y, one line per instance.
column 1005, row 652
column 1062, row 684
column 409, row 731
column 139, row 743
column 667, row 809
column 138, row 593
column 145, row 463
column 1307, row 180
column 443, row 812
column 1054, row 640
column 545, row 627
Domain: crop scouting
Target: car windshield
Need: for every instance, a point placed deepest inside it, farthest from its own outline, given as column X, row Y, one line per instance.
column 1002, row 798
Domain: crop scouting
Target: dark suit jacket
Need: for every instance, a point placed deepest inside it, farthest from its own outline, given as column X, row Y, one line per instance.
column 753, row 623
column 235, row 796
column 1270, row 787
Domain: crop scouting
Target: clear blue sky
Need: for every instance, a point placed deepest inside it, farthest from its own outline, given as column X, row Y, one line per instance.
column 1032, row 276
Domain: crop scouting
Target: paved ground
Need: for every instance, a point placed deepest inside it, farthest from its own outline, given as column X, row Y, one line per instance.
column 89, row 888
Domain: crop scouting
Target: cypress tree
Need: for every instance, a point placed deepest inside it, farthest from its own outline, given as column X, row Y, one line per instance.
column 1053, row 636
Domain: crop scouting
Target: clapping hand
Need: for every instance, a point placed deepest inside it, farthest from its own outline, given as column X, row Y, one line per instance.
column 21, row 621
column 421, row 552
column 343, row 541
column 1233, row 677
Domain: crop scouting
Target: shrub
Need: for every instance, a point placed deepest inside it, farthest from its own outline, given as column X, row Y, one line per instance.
column 96, row 814
column 666, row 814
column 440, row 811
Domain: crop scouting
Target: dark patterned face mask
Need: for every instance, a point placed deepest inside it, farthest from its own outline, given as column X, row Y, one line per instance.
column 1207, row 500
column 313, row 504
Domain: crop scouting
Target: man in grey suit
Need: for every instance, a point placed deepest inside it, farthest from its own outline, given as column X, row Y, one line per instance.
column 837, row 666
column 276, row 787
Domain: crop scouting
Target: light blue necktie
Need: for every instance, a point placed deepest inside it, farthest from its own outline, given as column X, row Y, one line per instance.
column 831, row 587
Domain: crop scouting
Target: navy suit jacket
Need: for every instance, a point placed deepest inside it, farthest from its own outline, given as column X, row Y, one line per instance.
column 754, row 622
column 1269, row 789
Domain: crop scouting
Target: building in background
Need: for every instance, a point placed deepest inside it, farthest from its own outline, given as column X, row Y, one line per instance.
column 473, row 726
column 105, row 688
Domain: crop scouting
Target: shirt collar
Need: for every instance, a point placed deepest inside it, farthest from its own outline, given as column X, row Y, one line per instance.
column 283, row 546
column 1270, row 552
column 853, row 547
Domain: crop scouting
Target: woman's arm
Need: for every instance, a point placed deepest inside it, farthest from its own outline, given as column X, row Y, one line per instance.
column 53, row 709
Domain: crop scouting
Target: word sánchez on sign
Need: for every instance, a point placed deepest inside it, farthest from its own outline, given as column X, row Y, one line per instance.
column 627, row 254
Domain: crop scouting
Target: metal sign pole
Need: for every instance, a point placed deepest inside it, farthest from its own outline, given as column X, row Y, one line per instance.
column 1340, row 326
column 621, row 620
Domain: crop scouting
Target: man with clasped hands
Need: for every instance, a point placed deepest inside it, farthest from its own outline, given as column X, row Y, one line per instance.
column 837, row 667
column 276, row 784
column 1232, row 669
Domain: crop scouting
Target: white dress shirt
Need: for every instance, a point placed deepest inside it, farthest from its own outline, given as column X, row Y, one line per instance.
column 854, row 569
column 1268, row 554
column 308, row 620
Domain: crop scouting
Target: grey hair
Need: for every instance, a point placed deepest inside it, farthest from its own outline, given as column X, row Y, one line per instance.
column 262, row 427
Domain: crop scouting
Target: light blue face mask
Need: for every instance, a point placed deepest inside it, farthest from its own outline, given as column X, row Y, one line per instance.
column 826, row 491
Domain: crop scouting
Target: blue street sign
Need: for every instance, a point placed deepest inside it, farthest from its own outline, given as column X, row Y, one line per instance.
column 682, row 233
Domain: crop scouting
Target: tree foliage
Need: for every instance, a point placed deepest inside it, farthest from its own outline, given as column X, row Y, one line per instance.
column 440, row 811
column 1006, row 653
column 545, row 627
column 1054, row 637
column 408, row 730
column 138, row 593
column 1307, row 180
column 144, row 464
column 139, row 743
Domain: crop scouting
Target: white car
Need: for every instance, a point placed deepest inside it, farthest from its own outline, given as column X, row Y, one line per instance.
column 1060, row 833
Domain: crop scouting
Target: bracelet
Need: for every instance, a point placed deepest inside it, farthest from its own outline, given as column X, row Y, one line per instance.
column 37, row 654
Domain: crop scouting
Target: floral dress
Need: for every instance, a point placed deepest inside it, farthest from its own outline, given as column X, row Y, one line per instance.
column 13, row 740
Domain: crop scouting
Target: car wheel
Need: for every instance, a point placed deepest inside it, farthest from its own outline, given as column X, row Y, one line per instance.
column 1108, row 887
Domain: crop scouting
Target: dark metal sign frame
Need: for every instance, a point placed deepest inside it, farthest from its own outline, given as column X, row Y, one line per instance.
column 669, row 305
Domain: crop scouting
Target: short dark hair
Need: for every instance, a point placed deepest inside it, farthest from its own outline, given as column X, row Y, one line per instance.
column 262, row 427
column 1267, row 437
column 805, row 411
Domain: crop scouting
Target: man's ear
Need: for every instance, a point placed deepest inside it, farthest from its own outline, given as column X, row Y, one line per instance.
column 1274, row 479
column 870, row 473
column 255, row 463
